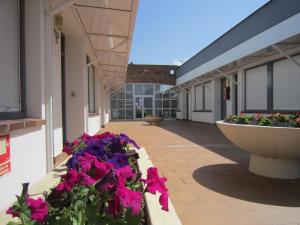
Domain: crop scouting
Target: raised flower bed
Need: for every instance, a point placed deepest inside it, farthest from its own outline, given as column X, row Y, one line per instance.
column 273, row 142
column 102, row 185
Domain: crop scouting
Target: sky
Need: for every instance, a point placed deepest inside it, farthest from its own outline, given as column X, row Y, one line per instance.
column 172, row 31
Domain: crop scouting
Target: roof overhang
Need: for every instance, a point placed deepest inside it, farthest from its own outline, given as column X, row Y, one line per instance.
column 108, row 28
column 284, row 34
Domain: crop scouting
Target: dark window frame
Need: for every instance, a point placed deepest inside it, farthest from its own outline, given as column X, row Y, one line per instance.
column 20, row 114
column 203, row 97
column 93, row 110
column 270, row 98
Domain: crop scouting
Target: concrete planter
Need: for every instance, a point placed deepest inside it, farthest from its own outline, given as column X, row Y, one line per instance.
column 153, row 120
column 275, row 151
column 155, row 215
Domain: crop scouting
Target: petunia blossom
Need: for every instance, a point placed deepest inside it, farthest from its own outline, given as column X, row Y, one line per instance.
column 38, row 208
column 12, row 212
column 129, row 199
column 163, row 201
column 154, row 182
column 69, row 181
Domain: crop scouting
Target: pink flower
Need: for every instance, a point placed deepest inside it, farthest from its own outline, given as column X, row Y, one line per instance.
column 85, row 180
column 12, row 212
column 68, row 150
column 69, row 181
column 86, row 161
column 103, row 135
column 39, row 209
column 154, row 182
column 163, row 201
column 124, row 173
column 130, row 199
column 85, row 137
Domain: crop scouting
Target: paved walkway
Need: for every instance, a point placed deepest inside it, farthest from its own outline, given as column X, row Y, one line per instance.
column 208, row 178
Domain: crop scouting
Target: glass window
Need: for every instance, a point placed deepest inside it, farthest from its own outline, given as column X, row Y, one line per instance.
column 158, row 112
column 148, row 102
column 91, row 88
column 166, row 104
column 114, row 104
column 208, row 95
column 167, row 113
column 199, row 97
column 11, row 71
column 148, row 112
column 174, row 104
column 121, row 104
column 256, row 88
column 286, row 80
column 148, row 88
column 129, row 114
column 158, row 103
column 138, row 89
column 121, row 114
column 114, row 114
column 173, row 113
column 157, row 91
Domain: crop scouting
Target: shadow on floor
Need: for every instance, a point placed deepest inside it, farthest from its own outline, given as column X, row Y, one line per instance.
column 206, row 135
column 236, row 181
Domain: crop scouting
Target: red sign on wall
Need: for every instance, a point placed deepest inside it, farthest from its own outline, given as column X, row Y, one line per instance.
column 4, row 154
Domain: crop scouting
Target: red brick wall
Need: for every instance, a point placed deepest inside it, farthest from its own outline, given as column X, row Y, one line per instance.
column 139, row 73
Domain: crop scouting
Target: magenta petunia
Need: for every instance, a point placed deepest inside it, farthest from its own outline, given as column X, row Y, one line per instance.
column 163, row 200
column 68, row 150
column 124, row 173
column 129, row 199
column 38, row 208
column 86, row 161
column 154, row 182
column 12, row 212
column 69, row 181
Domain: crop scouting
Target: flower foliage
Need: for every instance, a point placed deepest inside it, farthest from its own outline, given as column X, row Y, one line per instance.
column 102, row 185
column 276, row 119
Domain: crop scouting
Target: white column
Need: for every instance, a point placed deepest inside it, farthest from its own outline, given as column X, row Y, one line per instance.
column 241, row 91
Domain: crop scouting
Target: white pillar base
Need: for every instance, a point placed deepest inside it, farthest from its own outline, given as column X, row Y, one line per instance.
column 275, row 168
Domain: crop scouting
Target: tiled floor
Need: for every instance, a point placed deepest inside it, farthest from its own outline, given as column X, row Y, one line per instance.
column 208, row 178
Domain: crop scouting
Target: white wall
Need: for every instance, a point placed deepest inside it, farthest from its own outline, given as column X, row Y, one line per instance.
column 241, row 91
column 206, row 117
column 28, row 162
column 93, row 124
column 76, row 93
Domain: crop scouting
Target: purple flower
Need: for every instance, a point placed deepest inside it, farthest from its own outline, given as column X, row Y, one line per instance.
column 119, row 160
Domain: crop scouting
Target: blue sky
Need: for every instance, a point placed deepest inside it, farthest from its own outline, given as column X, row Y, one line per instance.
column 168, row 31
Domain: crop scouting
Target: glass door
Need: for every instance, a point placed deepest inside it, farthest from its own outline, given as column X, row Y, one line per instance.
column 148, row 106
column 138, row 107
column 143, row 107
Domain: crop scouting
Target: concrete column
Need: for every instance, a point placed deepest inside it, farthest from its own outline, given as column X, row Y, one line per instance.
column 76, row 87
column 241, row 91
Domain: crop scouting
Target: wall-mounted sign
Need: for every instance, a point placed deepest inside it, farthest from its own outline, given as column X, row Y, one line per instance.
column 4, row 154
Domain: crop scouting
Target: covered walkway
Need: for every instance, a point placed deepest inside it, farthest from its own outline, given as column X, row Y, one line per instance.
column 208, row 178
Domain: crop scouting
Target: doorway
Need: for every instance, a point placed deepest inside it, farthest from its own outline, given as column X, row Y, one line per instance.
column 223, row 99
column 143, row 107
column 63, row 87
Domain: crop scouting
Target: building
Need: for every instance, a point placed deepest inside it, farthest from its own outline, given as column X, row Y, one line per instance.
column 148, row 91
column 254, row 67
column 59, row 60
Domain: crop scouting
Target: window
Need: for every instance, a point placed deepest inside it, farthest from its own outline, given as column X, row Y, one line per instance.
column 91, row 88
column 199, row 98
column 12, row 85
column 204, row 97
column 286, row 80
column 256, row 88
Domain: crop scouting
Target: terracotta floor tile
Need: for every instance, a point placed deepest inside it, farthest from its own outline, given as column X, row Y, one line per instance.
column 208, row 177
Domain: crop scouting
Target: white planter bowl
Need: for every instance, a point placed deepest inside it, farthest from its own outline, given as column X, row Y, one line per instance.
column 153, row 120
column 275, row 151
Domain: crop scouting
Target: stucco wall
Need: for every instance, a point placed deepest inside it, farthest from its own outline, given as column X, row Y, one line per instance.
column 93, row 124
column 75, row 87
column 28, row 162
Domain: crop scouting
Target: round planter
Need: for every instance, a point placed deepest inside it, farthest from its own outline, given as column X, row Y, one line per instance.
column 153, row 120
column 275, row 151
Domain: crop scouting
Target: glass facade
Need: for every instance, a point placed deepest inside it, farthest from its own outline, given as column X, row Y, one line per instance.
column 135, row 101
